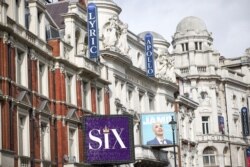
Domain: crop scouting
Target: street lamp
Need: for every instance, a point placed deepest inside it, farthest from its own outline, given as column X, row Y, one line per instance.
column 173, row 125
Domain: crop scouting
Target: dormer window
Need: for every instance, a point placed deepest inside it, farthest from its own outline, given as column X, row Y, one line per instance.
column 185, row 47
column 198, row 45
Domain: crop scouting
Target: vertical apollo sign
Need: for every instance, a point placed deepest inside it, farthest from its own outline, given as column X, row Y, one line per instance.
column 149, row 55
column 108, row 139
column 244, row 119
column 93, row 35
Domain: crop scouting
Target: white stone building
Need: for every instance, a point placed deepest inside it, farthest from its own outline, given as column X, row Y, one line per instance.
column 220, row 86
column 48, row 82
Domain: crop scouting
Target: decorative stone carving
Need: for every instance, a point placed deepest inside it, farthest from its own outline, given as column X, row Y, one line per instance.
column 33, row 55
column 123, row 43
column 115, row 35
column 81, row 48
column 111, row 33
column 9, row 40
column 165, row 66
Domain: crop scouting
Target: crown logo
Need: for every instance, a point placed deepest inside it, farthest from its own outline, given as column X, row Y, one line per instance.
column 106, row 129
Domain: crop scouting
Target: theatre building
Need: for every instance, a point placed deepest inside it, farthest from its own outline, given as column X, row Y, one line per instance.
column 49, row 83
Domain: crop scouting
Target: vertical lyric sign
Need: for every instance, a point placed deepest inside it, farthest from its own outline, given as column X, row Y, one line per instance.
column 93, row 40
column 149, row 55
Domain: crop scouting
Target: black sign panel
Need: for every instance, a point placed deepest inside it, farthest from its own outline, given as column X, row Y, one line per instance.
column 244, row 119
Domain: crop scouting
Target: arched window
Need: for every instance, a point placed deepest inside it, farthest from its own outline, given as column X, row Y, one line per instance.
column 209, row 156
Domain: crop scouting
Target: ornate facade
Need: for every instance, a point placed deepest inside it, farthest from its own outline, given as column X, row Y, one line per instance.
column 48, row 84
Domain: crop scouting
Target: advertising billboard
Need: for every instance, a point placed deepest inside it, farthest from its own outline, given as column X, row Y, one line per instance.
column 156, row 130
column 108, row 139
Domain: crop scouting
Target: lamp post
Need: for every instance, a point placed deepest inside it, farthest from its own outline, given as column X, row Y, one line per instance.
column 173, row 125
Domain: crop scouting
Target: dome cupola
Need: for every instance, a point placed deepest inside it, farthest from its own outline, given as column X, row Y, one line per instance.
column 191, row 26
column 159, row 40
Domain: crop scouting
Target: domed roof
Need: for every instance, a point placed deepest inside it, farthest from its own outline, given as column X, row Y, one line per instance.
column 104, row 1
column 154, row 34
column 109, row 4
column 191, row 23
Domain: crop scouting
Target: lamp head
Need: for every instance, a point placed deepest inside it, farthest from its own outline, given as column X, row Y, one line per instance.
column 173, row 123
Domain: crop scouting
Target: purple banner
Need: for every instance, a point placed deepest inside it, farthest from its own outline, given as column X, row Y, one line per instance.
column 221, row 124
column 108, row 139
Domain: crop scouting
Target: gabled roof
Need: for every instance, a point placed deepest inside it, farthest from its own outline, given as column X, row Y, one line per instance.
column 56, row 10
column 24, row 99
column 44, row 107
column 72, row 116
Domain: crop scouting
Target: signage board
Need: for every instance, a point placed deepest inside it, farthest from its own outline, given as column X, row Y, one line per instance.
column 108, row 139
column 244, row 119
column 93, row 35
column 248, row 157
column 221, row 124
column 149, row 54
column 156, row 130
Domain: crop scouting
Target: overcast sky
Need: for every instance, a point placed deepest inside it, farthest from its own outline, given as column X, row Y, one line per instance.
column 228, row 20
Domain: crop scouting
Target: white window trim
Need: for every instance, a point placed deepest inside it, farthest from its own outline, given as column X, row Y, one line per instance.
column 151, row 96
column 130, row 102
column 207, row 131
column 24, row 67
column 88, row 99
column 210, row 155
column 141, row 106
column 45, row 78
column 73, row 87
column 76, row 144
column 47, row 138
column 24, row 113
column 101, row 88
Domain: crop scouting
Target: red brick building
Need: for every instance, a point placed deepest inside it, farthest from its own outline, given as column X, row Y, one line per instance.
column 43, row 94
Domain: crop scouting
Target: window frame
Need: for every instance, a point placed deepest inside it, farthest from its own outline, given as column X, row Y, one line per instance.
column 70, row 89
column 45, row 138
column 151, row 102
column 205, row 125
column 75, row 143
column 85, row 94
column 22, row 70
column 99, row 100
column 26, row 136
column 43, row 78
column 209, row 156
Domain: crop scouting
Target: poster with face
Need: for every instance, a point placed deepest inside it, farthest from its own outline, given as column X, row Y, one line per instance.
column 156, row 130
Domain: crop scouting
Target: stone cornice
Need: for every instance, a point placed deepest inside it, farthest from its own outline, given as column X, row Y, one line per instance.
column 182, row 100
